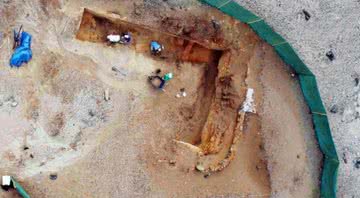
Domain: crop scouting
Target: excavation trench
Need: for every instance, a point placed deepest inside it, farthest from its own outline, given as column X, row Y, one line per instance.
column 213, row 123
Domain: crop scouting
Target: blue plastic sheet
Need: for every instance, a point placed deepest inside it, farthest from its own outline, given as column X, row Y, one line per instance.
column 22, row 53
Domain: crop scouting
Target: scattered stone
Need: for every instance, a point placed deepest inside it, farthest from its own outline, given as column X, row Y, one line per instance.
column 344, row 158
column 357, row 163
column 216, row 24
column 330, row 55
column 114, row 69
column 207, row 175
column 307, row 14
column 91, row 113
column 356, row 81
column 14, row 104
column 107, row 95
column 53, row 176
column 200, row 167
column 26, row 148
column 172, row 162
column 298, row 156
column 31, row 156
column 120, row 71
column 334, row 109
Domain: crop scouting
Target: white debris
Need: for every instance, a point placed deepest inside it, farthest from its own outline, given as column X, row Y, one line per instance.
column 248, row 105
column 180, row 94
column 107, row 95
column 6, row 180
column 113, row 38
column 14, row 104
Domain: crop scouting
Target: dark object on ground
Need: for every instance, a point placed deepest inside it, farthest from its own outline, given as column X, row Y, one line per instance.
column 158, row 71
column 17, row 36
column 206, row 175
column 22, row 53
column 330, row 55
column 157, row 82
column 356, row 81
column 307, row 14
column 344, row 158
column 26, row 148
column 156, row 48
column 53, row 176
column 216, row 24
column 334, row 109
column 357, row 163
column 125, row 38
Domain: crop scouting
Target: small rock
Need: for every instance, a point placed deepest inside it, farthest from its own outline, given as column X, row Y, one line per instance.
column 114, row 69
column 53, row 176
column 216, row 24
column 344, row 158
column 14, row 104
column 330, row 55
column 356, row 81
column 334, row 109
column 357, row 163
column 207, row 175
column 91, row 113
column 107, row 95
column 200, row 167
column 307, row 14
column 172, row 162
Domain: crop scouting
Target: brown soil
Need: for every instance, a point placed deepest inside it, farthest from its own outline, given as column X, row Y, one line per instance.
column 214, row 115
column 149, row 143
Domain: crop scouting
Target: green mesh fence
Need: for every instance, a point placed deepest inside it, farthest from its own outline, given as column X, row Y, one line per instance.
column 308, row 86
column 20, row 189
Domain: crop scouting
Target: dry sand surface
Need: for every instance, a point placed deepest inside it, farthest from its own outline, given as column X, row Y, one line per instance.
column 144, row 142
column 334, row 25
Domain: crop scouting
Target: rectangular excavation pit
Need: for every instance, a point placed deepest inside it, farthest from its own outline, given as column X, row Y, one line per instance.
column 218, row 100
column 95, row 27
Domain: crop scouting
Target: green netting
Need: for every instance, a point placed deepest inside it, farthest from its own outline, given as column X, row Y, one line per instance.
column 267, row 33
column 215, row 3
column 311, row 94
column 324, row 137
column 289, row 56
column 329, row 178
column 235, row 10
column 20, row 189
column 307, row 83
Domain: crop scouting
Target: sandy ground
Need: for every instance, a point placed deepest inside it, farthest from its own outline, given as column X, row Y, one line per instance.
column 333, row 26
column 56, row 120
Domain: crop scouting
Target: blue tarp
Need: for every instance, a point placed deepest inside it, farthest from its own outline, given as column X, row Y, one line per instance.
column 22, row 53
